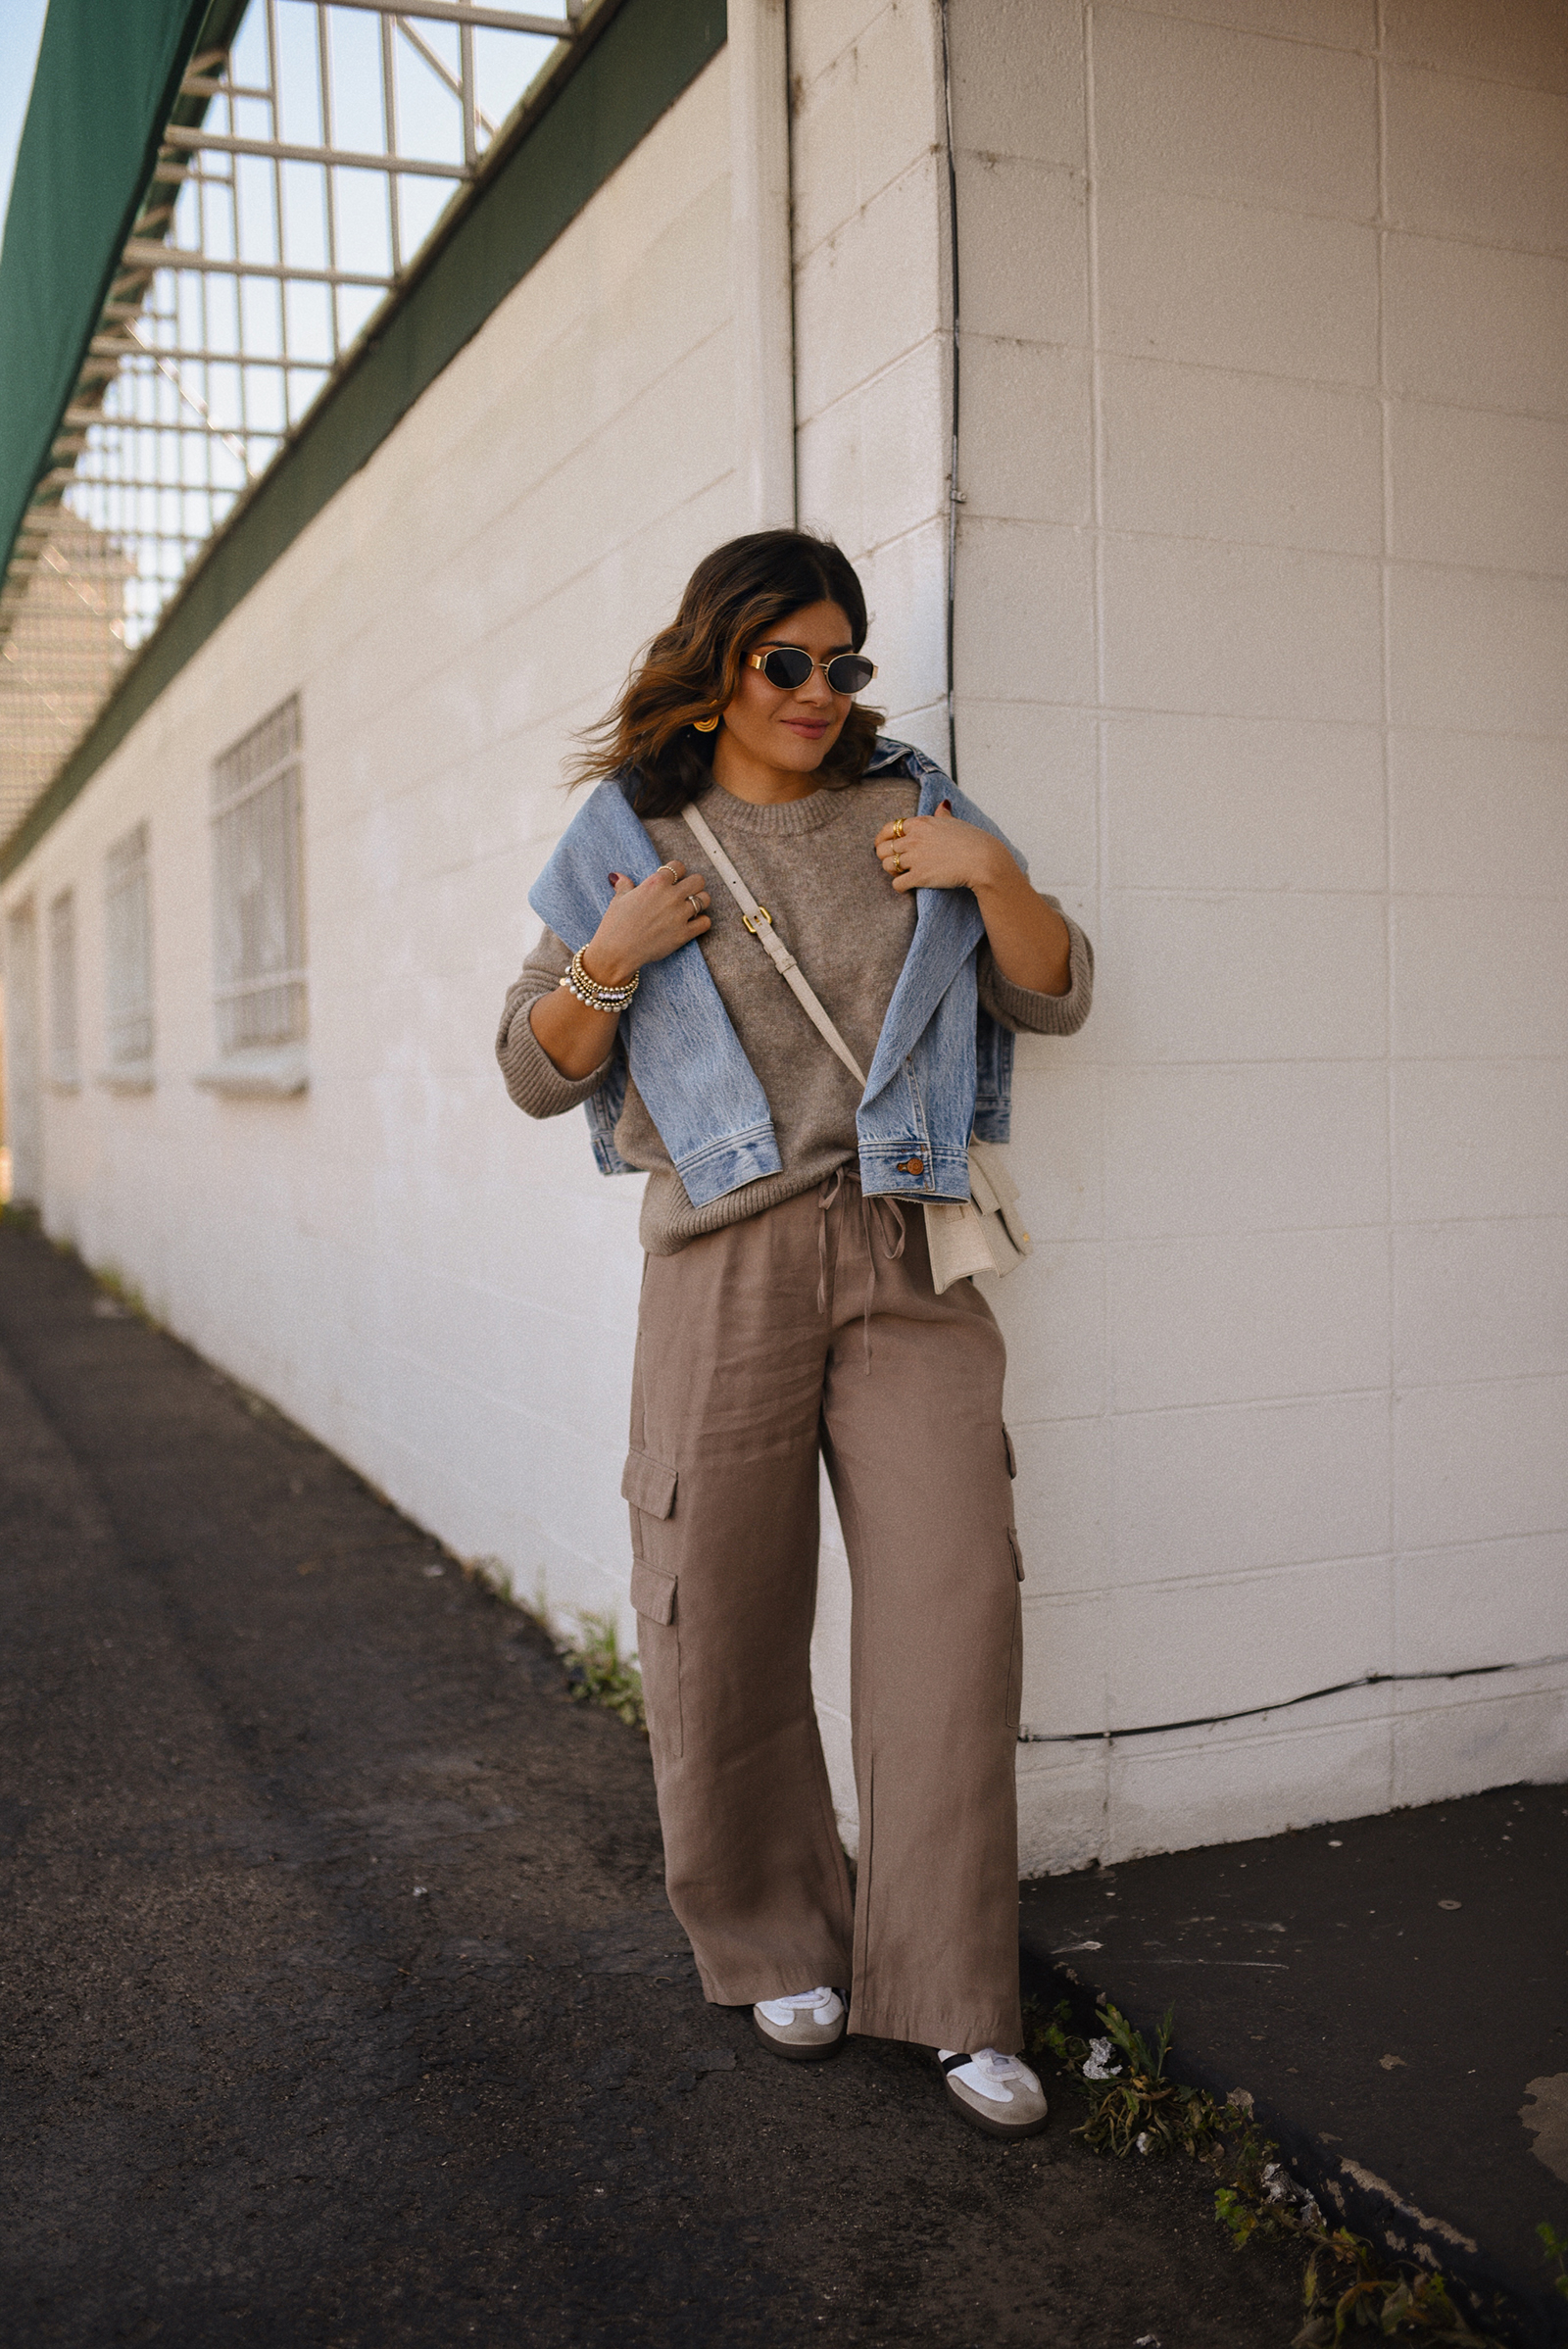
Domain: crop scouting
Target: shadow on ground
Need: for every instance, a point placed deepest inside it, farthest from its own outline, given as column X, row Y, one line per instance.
column 343, row 2004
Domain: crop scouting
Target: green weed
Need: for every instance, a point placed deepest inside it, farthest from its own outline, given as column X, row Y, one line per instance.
column 597, row 1672
column 1135, row 2108
column 124, row 1294
column 1556, row 2247
column 1413, row 2306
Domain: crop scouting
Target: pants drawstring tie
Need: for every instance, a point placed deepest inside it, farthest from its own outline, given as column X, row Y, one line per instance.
column 881, row 1220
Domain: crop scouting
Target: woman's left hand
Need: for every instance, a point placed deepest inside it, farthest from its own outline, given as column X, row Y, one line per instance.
column 938, row 851
column 1031, row 943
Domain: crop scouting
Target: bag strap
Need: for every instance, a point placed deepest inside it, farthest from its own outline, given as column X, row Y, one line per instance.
column 980, row 1233
column 760, row 922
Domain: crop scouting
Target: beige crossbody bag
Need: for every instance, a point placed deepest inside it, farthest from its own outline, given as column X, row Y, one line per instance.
column 983, row 1233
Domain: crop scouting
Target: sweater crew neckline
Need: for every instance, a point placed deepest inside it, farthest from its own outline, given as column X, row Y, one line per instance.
column 779, row 819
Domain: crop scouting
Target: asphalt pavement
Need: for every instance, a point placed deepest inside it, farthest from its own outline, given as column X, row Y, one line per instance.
column 1393, row 1994
column 342, row 2003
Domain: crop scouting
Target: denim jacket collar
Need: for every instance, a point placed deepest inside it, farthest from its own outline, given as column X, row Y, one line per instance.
column 940, row 1070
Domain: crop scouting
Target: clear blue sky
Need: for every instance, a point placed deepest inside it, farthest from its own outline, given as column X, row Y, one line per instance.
column 21, row 26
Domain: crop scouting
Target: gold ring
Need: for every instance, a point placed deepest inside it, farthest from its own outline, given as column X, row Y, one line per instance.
column 897, row 867
column 691, row 902
column 671, row 867
column 898, row 829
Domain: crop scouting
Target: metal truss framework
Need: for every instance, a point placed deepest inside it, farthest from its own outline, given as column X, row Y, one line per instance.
column 337, row 134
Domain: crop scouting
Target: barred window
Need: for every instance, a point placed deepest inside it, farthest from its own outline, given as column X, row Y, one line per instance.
column 258, row 887
column 64, row 1065
column 128, row 949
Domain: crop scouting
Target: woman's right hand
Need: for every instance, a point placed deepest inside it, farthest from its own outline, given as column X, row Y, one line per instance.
column 645, row 921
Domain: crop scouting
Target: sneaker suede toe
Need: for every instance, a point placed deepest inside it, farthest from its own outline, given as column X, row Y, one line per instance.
column 804, row 2027
column 995, row 2094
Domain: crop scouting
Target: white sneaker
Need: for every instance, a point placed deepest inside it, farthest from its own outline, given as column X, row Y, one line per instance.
column 995, row 2093
column 803, row 2027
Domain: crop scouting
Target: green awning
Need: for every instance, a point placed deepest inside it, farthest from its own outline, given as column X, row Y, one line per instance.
column 106, row 87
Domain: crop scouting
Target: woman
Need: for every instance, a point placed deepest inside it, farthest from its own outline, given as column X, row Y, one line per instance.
column 788, row 1310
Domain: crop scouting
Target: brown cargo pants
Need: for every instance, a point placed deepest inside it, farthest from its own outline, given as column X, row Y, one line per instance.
column 752, row 1355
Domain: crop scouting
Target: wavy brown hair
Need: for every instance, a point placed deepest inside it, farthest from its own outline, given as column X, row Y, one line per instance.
column 692, row 669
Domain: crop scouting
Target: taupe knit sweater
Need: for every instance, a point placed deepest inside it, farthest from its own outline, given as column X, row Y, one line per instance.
column 811, row 864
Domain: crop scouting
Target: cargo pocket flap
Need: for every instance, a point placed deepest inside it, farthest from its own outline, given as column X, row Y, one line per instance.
column 1017, row 1554
column 653, row 1594
column 647, row 1485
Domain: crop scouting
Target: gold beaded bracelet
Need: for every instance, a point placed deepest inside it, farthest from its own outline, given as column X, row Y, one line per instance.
column 591, row 995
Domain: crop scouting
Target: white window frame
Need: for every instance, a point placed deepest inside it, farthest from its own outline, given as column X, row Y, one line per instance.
column 260, row 995
column 129, row 961
column 65, row 995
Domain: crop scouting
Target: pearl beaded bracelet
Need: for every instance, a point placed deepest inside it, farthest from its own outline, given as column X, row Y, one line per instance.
column 591, row 995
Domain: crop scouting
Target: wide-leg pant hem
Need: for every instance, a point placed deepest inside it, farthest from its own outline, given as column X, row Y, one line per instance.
column 966, row 2030
column 776, row 1981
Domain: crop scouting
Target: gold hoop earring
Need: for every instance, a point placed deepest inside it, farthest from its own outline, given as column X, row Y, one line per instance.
column 705, row 725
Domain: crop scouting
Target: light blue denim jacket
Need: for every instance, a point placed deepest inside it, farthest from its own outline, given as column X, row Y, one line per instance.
column 943, row 1069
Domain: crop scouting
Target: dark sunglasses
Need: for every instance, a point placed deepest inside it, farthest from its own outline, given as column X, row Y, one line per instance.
column 788, row 668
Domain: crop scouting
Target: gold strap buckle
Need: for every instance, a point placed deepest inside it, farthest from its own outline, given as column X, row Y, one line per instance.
column 762, row 914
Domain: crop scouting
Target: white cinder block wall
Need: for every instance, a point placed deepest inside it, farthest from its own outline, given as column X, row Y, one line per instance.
column 871, row 449
column 440, row 1289
column 1262, row 654
column 1260, row 658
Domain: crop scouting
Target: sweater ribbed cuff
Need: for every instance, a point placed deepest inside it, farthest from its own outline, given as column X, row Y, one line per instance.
column 533, row 1080
column 1021, row 1008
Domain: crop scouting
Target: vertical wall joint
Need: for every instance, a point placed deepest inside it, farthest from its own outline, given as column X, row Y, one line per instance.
column 762, row 261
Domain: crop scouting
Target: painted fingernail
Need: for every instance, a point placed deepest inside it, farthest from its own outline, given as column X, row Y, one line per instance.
column 613, row 878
